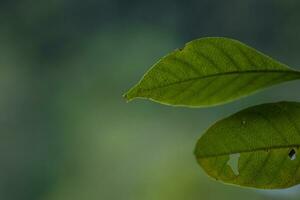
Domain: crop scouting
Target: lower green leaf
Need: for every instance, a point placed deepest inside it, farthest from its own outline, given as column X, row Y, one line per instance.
column 257, row 147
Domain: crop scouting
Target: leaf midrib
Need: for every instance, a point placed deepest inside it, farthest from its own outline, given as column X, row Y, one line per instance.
column 251, row 150
column 222, row 74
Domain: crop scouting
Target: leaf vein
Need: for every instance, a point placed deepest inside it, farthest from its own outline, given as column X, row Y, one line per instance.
column 220, row 74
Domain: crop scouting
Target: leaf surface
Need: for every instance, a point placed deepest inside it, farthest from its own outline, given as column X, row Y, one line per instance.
column 266, row 139
column 210, row 71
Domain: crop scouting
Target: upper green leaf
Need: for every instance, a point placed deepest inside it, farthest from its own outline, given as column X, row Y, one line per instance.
column 257, row 147
column 210, row 71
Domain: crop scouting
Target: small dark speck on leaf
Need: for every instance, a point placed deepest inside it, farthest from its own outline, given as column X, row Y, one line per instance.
column 182, row 48
column 292, row 154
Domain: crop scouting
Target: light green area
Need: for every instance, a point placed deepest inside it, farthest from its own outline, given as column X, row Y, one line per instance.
column 210, row 71
column 267, row 137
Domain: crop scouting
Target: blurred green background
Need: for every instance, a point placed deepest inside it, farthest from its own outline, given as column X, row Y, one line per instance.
column 66, row 132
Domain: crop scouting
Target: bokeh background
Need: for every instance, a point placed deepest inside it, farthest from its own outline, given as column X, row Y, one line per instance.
column 66, row 132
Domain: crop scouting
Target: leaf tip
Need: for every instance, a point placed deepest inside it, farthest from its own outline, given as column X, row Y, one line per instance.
column 126, row 97
column 129, row 95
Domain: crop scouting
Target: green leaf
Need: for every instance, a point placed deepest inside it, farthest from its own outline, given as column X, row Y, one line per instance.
column 210, row 71
column 257, row 147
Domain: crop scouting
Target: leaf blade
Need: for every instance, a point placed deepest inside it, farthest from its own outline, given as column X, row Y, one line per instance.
column 182, row 77
column 265, row 136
